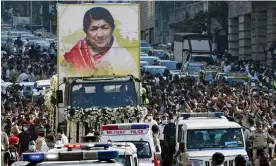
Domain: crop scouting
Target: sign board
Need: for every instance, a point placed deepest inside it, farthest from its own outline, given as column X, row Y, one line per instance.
column 21, row 21
column 125, row 132
column 113, row 48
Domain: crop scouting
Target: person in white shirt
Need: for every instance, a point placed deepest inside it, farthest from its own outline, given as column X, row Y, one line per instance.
column 164, row 121
column 247, row 137
column 50, row 142
column 64, row 139
column 150, row 120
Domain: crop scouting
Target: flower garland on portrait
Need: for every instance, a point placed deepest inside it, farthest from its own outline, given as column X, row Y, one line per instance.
column 107, row 114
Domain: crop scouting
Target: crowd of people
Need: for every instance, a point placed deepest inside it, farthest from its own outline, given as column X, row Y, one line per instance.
column 26, row 126
column 252, row 107
column 25, row 122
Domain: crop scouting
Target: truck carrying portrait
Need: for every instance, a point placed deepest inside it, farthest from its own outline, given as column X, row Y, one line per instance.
column 98, row 40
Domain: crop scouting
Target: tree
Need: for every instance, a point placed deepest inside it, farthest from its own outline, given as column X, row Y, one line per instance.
column 218, row 10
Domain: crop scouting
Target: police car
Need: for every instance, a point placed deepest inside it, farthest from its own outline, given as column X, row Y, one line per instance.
column 203, row 134
column 137, row 133
column 102, row 153
column 127, row 151
column 40, row 87
column 72, row 158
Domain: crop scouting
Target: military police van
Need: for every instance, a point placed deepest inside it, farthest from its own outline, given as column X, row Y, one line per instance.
column 137, row 133
column 200, row 135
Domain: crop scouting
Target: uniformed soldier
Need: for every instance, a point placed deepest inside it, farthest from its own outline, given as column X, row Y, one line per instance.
column 260, row 139
column 169, row 138
column 40, row 141
column 181, row 158
column 11, row 155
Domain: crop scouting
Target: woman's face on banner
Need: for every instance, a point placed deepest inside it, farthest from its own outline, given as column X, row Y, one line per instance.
column 99, row 34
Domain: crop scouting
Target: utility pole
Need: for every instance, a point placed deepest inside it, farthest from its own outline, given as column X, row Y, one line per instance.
column 31, row 5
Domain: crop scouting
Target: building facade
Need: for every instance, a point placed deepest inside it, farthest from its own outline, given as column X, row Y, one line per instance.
column 251, row 27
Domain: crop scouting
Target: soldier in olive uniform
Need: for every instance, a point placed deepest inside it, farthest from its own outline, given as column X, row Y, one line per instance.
column 261, row 139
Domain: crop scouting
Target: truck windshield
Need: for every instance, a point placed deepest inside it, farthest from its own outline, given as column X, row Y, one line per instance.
column 103, row 94
column 215, row 138
column 200, row 45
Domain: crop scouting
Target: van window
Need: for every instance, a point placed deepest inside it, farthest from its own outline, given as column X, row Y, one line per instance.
column 125, row 160
column 179, row 133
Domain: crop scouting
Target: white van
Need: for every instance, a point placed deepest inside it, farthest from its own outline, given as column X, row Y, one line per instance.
column 203, row 134
column 137, row 133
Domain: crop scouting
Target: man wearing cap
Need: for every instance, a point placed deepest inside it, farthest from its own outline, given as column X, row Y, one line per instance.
column 260, row 139
column 217, row 159
column 40, row 141
column 11, row 155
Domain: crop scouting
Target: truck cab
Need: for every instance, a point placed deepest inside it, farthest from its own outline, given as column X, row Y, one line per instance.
column 203, row 134
column 94, row 95
column 191, row 43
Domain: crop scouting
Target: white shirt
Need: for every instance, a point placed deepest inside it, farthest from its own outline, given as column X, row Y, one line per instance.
column 227, row 68
column 161, row 129
column 64, row 139
column 248, row 133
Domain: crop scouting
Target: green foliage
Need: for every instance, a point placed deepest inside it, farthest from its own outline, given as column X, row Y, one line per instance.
column 217, row 10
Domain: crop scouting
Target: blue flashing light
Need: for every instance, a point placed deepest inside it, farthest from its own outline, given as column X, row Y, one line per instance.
column 218, row 114
column 107, row 155
column 102, row 145
column 185, row 115
column 140, row 126
column 33, row 157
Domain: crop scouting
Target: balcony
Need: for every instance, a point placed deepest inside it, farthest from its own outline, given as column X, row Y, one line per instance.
column 181, row 14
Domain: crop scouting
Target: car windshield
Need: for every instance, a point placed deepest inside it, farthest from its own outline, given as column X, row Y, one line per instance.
column 104, row 94
column 149, row 60
column 34, row 38
column 194, row 69
column 143, row 149
column 156, row 71
column 207, row 59
column 209, row 75
column 144, row 45
column 171, row 65
column 125, row 160
column 215, row 138
column 237, row 80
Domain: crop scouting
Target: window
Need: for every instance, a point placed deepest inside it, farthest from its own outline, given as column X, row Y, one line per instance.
column 143, row 149
column 125, row 160
column 200, row 45
column 104, row 94
column 215, row 138
column 180, row 133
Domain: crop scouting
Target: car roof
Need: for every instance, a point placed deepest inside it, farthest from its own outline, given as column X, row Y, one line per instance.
column 196, row 63
column 168, row 61
column 205, row 55
column 198, row 123
column 144, row 62
column 154, row 67
column 149, row 57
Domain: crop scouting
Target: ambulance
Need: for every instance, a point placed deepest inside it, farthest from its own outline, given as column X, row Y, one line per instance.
column 201, row 135
column 137, row 133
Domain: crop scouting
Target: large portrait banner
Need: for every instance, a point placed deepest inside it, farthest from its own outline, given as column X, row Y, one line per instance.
column 98, row 40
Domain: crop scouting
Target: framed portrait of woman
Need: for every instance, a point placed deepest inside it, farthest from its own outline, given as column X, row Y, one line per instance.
column 98, row 39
